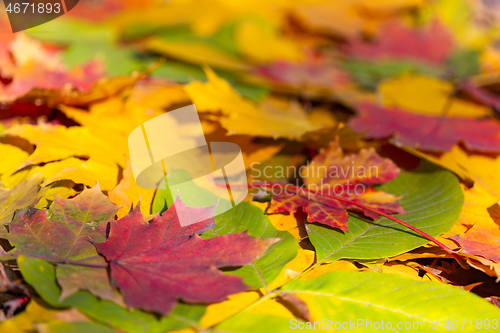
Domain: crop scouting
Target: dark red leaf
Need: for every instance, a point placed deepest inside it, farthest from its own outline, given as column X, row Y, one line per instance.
column 432, row 45
column 426, row 132
column 155, row 264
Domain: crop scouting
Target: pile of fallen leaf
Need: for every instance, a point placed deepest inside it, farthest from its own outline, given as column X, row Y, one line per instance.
column 410, row 88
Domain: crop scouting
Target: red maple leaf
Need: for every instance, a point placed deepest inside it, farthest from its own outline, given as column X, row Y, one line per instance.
column 432, row 45
column 349, row 177
column 314, row 72
column 426, row 132
column 154, row 264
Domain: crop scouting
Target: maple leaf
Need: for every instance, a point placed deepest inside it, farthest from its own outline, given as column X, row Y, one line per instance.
column 25, row 194
column 272, row 118
column 332, row 173
column 478, row 230
column 432, row 45
column 59, row 142
column 64, row 231
column 347, row 18
column 154, row 264
column 435, row 97
column 426, row 132
column 314, row 74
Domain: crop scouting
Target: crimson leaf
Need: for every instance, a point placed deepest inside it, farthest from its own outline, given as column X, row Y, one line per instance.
column 155, row 264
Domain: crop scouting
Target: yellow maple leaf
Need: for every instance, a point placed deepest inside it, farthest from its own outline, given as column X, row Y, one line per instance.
column 8, row 166
column 427, row 95
column 128, row 194
column 271, row 118
column 264, row 44
column 482, row 170
column 349, row 18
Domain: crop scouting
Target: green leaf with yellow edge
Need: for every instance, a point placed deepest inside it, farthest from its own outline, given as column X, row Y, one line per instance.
column 433, row 200
column 41, row 276
column 73, row 327
column 343, row 296
column 25, row 194
column 353, row 299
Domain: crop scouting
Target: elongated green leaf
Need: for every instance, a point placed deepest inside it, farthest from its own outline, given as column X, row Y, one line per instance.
column 433, row 200
column 372, row 302
column 343, row 296
column 41, row 276
column 74, row 327
column 246, row 216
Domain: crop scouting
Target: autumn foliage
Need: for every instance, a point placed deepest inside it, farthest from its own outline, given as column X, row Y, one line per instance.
column 370, row 138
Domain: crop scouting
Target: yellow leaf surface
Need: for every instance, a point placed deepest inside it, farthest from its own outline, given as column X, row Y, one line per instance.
column 264, row 44
column 218, row 312
column 482, row 170
column 196, row 52
column 16, row 156
column 128, row 194
column 474, row 212
column 326, row 268
column 112, row 120
column 483, row 237
column 271, row 118
column 427, row 95
column 458, row 16
column 272, row 307
column 56, row 142
column 300, row 263
column 49, row 193
column 80, row 171
column 157, row 95
column 284, row 222
column 339, row 17
column 409, row 269
column 350, row 18
column 401, row 269
column 389, row 6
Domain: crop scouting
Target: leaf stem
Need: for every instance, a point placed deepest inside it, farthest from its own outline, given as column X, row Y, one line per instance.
column 56, row 260
column 460, row 261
